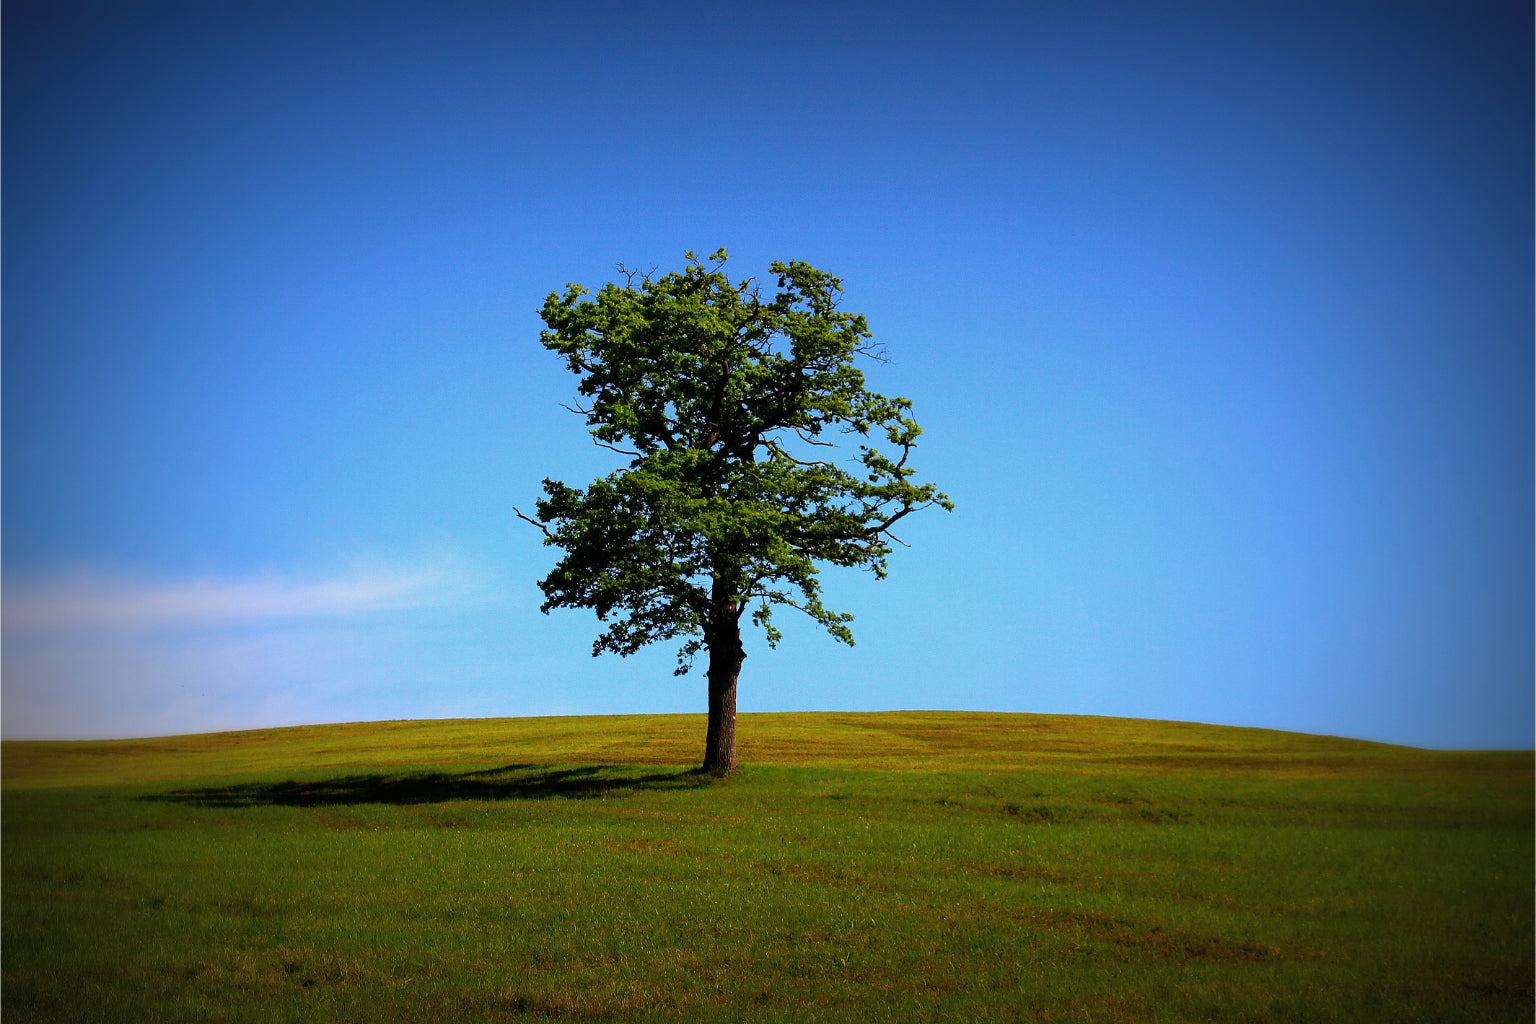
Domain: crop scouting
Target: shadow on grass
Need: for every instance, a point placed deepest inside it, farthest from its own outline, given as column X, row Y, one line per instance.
column 509, row 782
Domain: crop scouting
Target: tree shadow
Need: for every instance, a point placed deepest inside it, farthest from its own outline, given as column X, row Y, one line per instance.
column 509, row 782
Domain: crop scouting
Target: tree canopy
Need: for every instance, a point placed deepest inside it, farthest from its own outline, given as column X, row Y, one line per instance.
column 727, row 405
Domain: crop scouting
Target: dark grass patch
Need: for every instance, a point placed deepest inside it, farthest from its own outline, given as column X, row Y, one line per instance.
column 508, row 782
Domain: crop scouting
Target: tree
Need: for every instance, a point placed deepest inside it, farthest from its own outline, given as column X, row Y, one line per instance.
column 724, row 402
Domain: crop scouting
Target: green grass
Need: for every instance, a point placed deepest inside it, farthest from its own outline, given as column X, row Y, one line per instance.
column 904, row 866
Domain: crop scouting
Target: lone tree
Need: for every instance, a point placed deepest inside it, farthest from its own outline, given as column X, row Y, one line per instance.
column 724, row 402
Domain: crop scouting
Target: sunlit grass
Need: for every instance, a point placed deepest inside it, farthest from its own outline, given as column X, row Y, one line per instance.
column 908, row 866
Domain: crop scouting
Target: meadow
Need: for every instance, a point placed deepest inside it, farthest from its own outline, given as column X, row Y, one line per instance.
column 900, row 866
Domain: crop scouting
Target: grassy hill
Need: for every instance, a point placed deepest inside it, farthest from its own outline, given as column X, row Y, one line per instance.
column 860, row 867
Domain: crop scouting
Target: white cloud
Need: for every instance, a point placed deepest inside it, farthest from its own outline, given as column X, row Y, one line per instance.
column 87, row 600
column 90, row 654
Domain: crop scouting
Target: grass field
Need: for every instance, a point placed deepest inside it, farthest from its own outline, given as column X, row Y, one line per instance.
column 860, row 867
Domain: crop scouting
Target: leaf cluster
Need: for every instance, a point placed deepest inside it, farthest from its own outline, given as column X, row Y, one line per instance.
column 727, row 404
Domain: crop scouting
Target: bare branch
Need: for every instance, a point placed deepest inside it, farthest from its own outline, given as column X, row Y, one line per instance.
column 621, row 451
column 885, row 527
column 800, row 432
column 774, row 447
column 544, row 529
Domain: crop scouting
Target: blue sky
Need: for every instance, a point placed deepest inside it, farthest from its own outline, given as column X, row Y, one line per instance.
column 1217, row 317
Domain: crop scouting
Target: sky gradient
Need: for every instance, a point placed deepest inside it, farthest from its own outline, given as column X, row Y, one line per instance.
column 1217, row 317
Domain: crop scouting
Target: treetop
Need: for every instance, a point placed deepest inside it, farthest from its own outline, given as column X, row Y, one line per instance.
column 726, row 402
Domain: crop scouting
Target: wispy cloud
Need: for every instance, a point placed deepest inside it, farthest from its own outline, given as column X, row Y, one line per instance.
column 92, row 600
column 89, row 653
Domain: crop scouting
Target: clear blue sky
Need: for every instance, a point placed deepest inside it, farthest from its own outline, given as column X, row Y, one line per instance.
column 1217, row 316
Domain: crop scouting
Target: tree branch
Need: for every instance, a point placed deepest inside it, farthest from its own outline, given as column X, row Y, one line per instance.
column 774, row 447
column 800, row 432
column 544, row 529
column 621, row 451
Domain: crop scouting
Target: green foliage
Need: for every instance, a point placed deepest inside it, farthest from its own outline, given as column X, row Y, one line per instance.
column 726, row 403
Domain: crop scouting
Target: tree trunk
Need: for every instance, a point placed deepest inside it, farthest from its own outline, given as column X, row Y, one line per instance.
column 725, row 658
